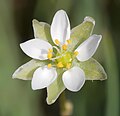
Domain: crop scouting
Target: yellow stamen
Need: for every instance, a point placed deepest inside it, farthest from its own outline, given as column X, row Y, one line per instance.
column 68, row 65
column 68, row 41
column 59, row 65
column 49, row 65
column 50, row 50
column 64, row 47
column 76, row 53
column 49, row 55
column 57, row 41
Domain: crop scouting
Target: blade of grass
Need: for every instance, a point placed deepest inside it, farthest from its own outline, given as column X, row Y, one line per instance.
column 112, row 106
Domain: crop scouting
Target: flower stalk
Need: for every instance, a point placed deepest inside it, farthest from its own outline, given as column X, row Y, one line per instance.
column 66, row 107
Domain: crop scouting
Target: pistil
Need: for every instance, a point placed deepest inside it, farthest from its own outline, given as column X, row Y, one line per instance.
column 60, row 65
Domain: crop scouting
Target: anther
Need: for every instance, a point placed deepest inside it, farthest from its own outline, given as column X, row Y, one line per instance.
column 50, row 50
column 76, row 53
column 60, row 65
column 49, row 55
column 68, row 41
column 49, row 65
column 68, row 65
column 57, row 41
column 64, row 47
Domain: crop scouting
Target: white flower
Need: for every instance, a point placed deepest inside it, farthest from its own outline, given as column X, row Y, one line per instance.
column 59, row 55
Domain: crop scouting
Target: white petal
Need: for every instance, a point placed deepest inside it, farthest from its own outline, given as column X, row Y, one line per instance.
column 60, row 27
column 36, row 48
column 88, row 48
column 43, row 77
column 74, row 79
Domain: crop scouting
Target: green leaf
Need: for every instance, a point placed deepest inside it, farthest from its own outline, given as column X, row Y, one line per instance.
column 81, row 32
column 93, row 70
column 25, row 72
column 56, row 88
column 42, row 31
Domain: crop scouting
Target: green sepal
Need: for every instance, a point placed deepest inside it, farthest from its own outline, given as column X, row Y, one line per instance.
column 56, row 88
column 81, row 32
column 93, row 70
column 25, row 72
column 42, row 31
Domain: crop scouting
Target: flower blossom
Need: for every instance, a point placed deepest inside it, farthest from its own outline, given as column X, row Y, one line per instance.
column 59, row 56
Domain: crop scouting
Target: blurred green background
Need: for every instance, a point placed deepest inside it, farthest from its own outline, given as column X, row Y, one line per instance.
column 97, row 98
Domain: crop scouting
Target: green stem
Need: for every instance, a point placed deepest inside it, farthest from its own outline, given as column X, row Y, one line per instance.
column 66, row 106
column 62, row 101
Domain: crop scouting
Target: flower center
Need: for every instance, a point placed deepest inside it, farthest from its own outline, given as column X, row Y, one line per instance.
column 65, row 59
